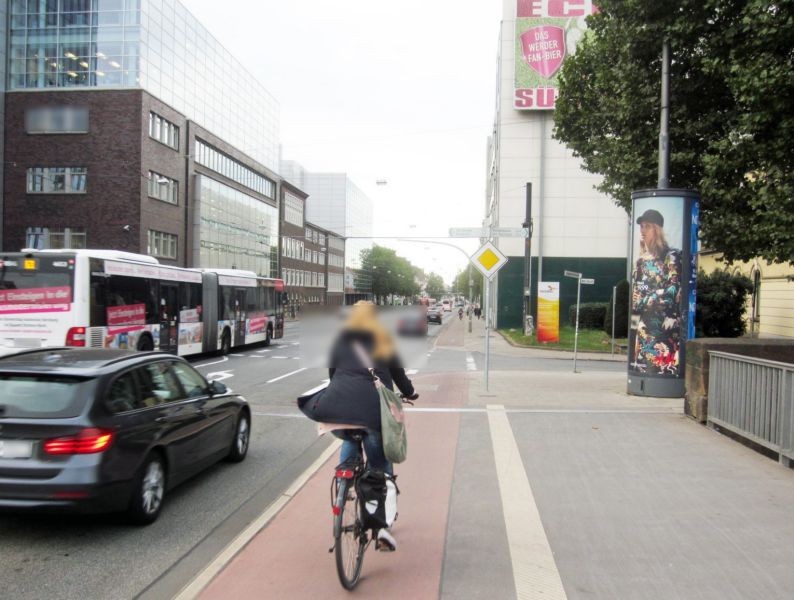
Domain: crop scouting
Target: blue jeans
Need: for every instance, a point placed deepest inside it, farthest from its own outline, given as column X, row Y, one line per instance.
column 373, row 447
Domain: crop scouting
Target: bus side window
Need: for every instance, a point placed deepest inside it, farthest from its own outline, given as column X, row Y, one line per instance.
column 189, row 295
column 226, row 309
column 98, row 306
column 251, row 300
column 268, row 293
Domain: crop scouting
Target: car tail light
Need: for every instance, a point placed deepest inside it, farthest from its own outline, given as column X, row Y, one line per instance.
column 75, row 336
column 88, row 441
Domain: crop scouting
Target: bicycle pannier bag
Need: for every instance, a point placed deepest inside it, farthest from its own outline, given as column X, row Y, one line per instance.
column 377, row 494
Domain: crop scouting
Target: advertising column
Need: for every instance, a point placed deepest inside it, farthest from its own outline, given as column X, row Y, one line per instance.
column 663, row 290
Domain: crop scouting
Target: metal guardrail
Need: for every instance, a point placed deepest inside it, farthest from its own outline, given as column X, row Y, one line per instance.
column 753, row 398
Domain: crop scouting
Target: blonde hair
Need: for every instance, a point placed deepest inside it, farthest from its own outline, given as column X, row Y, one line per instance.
column 658, row 246
column 363, row 318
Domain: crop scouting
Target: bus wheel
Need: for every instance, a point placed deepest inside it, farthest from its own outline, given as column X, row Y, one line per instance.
column 268, row 336
column 226, row 343
column 145, row 344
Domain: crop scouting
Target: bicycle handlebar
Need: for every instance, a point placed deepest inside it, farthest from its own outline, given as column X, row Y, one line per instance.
column 407, row 400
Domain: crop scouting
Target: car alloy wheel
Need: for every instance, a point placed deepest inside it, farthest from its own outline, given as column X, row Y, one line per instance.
column 242, row 438
column 147, row 499
column 153, row 487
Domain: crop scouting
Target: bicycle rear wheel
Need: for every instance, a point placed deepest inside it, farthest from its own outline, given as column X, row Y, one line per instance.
column 350, row 538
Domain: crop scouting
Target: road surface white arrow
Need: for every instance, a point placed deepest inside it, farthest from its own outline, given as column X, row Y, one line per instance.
column 219, row 375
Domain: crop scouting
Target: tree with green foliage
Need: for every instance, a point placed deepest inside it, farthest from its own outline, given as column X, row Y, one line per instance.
column 731, row 115
column 389, row 273
column 721, row 304
column 461, row 283
column 435, row 287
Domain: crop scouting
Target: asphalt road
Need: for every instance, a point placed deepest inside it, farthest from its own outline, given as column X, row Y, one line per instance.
column 101, row 557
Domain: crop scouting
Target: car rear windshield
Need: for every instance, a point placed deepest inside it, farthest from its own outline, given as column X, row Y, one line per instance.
column 41, row 396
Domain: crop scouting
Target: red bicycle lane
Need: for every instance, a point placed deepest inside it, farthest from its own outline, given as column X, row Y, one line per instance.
column 289, row 558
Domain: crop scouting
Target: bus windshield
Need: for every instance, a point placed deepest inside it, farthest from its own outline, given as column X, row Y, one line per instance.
column 35, row 284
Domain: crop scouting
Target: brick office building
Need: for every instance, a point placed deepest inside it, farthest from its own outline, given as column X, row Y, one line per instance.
column 335, row 272
column 311, row 257
column 128, row 172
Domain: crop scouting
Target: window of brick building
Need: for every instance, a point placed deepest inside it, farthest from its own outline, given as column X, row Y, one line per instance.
column 163, row 188
column 57, row 180
column 55, row 238
column 163, row 131
column 162, row 244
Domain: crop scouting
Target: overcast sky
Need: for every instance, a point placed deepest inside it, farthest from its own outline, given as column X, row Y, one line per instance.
column 400, row 91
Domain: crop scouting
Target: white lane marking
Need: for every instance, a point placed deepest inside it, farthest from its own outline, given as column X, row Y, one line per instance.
column 411, row 371
column 217, row 362
column 193, row 589
column 556, row 411
column 220, row 375
column 280, row 357
column 314, row 390
column 470, row 364
column 287, row 375
column 283, row 415
column 535, row 573
column 263, row 351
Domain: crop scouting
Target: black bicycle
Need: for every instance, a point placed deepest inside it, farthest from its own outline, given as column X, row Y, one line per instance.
column 352, row 534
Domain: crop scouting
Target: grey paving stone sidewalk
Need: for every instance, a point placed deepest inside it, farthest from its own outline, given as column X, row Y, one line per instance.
column 636, row 499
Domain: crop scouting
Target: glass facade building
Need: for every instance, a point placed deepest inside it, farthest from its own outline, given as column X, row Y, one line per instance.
column 3, row 62
column 235, row 229
column 155, row 45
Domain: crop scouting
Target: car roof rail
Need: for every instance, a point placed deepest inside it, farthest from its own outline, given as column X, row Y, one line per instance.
column 138, row 354
column 35, row 350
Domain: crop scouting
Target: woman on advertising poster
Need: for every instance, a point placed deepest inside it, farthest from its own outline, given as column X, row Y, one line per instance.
column 656, row 300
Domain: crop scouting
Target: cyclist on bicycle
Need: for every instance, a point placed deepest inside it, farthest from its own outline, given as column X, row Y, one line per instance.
column 351, row 402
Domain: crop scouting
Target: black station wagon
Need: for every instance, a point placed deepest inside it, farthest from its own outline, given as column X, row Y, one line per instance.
column 110, row 430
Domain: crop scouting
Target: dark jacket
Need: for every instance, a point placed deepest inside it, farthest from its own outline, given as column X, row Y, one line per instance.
column 351, row 397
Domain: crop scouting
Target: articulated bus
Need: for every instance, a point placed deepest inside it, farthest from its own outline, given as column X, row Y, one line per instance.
column 110, row 299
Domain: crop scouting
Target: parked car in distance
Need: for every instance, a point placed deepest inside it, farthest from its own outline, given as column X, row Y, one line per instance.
column 91, row 430
column 412, row 322
column 434, row 315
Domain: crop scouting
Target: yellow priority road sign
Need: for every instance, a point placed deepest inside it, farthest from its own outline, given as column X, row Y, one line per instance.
column 488, row 259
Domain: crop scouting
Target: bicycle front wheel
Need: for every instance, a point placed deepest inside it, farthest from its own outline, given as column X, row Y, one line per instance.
column 350, row 537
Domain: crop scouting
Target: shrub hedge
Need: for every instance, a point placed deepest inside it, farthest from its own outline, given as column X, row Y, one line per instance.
column 591, row 315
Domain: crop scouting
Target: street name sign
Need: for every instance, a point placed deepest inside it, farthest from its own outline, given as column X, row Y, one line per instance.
column 488, row 260
column 588, row 281
column 509, row 232
column 468, row 232
column 484, row 232
column 573, row 274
